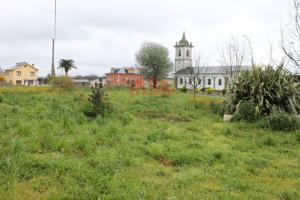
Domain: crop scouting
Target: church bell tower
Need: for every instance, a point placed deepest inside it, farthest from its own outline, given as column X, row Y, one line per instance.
column 183, row 57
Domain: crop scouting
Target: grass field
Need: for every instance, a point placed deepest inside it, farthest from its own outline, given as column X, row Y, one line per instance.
column 148, row 148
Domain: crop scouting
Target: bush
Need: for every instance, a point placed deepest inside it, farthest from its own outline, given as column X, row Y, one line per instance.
column 209, row 91
column 271, row 90
column 184, row 89
column 98, row 102
column 283, row 122
column 246, row 111
column 1, row 98
column 217, row 108
column 203, row 89
column 224, row 91
column 63, row 82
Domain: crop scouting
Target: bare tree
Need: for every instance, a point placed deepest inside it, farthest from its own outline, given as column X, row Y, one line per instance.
column 196, row 74
column 233, row 57
column 290, row 35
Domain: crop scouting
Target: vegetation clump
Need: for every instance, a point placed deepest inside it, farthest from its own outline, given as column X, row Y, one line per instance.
column 209, row 91
column 246, row 111
column 184, row 89
column 63, row 82
column 224, row 92
column 270, row 89
column 283, row 122
column 98, row 102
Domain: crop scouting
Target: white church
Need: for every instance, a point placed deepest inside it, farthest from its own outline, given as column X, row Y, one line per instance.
column 212, row 77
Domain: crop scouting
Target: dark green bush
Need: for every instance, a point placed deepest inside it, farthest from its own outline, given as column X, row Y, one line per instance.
column 98, row 102
column 270, row 89
column 283, row 122
column 184, row 89
column 203, row 89
column 246, row 112
column 224, row 91
column 1, row 98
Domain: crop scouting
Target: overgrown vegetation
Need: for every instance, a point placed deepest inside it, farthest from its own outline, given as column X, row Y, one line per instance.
column 271, row 90
column 149, row 148
column 283, row 122
column 98, row 102
column 246, row 111
column 63, row 82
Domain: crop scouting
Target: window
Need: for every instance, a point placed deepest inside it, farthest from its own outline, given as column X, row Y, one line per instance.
column 181, row 81
column 209, row 82
column 188, row 53
column 190, row 81
column 220, row 82
column 32, row 73
column 199, row 81
column 179, row 53
column 18, row 73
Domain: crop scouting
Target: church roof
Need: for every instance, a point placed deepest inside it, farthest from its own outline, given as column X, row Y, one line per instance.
column 207, row 70
column 183, row 42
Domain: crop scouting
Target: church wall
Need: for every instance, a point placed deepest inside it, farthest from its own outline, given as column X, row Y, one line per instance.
column 214, row 82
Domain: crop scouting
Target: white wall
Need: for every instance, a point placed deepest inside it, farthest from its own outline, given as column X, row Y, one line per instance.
column 214, row 82
column 183, row 61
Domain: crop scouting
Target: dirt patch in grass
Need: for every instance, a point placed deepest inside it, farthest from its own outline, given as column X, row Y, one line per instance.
column 164, row 161
column 150, row 114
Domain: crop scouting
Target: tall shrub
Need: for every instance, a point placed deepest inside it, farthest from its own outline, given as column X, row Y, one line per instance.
column 98, row 102
column 270, row 89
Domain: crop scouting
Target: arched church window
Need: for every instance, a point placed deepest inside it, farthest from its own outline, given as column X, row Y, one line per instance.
column 181, row 81
column 209, row 81
column 220, row 82
column 179, row 53
column 188, row 53
column 199, row 81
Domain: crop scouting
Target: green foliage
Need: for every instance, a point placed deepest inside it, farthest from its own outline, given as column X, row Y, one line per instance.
column 184, row 89
column 66, row 65
column 209, row 91
column 63, row 82
column 98, row 100
column 224, row 91
column 1, row 98
column 148, row 148
column 283, row 122
column 271, row 90
column 154, row 58
column 217, row 108
column 246, row 111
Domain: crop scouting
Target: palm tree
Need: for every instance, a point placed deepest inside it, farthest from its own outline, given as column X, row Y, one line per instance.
column 67, row 65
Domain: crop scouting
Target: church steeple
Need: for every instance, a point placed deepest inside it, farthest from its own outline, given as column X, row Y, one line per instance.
column 183, row 42
column 183, row 57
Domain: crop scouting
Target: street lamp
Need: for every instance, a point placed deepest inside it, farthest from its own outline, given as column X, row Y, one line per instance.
column 53, row 45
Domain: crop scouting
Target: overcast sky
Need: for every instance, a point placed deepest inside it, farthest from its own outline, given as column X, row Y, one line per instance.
column 101, row 34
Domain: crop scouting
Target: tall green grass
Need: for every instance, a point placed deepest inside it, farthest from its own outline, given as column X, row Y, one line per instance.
column 147, row 148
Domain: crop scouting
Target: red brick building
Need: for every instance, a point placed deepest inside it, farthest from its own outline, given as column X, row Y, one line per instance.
column 125, row 77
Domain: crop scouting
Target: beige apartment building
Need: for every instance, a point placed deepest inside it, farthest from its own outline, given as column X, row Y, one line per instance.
column 22, row 74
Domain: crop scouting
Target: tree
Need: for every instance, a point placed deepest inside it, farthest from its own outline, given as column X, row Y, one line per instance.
column 290, row 35
column 233, row 57
column 67, row 65
column 154, row 58
column 196, row 75
column 98, row 102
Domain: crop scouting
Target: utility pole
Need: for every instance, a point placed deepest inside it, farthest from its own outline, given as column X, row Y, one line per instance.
column 53, row 46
